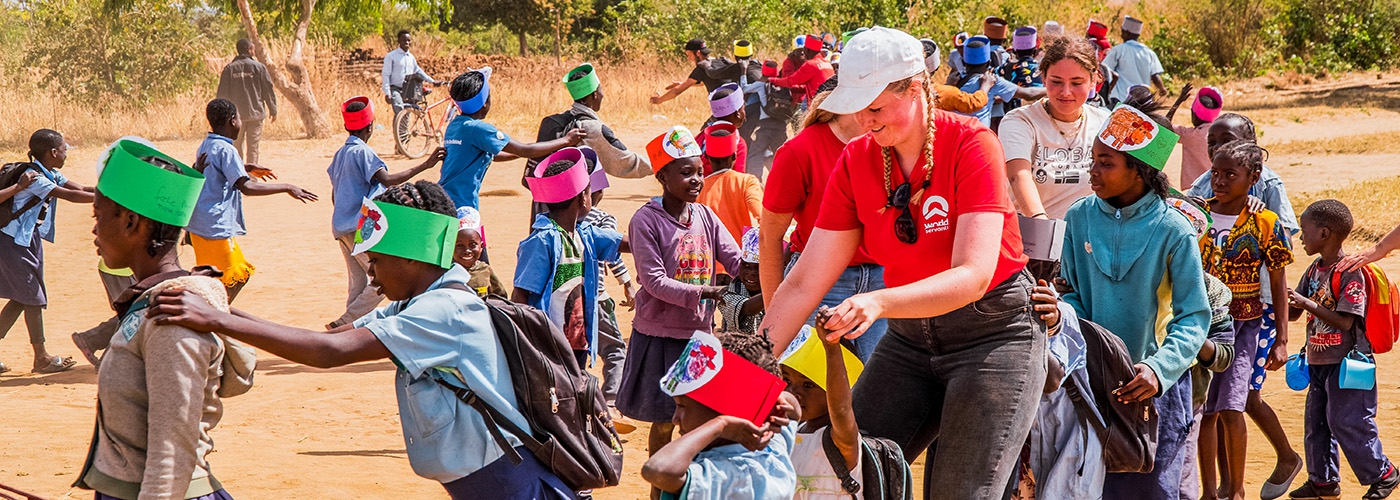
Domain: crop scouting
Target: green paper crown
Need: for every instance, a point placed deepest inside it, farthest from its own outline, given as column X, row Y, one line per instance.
column 1133, row 132
column 580, row 88
column 154, row 192
column 406, row 232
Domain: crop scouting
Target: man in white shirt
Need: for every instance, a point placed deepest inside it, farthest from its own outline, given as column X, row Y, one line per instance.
column 1135, row 63
column 399, row 63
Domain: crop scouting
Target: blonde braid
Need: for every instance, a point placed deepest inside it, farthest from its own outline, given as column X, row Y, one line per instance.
column 930, row 97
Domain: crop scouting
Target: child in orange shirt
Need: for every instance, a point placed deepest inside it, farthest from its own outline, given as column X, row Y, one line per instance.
column 736, row 197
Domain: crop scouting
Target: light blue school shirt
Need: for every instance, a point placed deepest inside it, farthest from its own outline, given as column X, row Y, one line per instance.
column 23, row 228
column 446, row 333
column 538, row 256
column 1003, row 88
column 218, row 214
column 471, row 147
column 1066, row 455
column 352, row 179
column 1135, row 64
column 733, row 472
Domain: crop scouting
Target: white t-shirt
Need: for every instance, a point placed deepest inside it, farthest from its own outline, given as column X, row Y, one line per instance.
column 1135, row 64
column 1220, row 225
column 815, row 478
column 1060, row 152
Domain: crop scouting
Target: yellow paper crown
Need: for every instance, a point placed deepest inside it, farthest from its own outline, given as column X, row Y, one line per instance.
column 810, row 359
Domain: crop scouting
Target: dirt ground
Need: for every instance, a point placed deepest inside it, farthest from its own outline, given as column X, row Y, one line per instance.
column 305, row 432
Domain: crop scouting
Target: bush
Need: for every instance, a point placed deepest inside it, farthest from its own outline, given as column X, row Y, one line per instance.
column 107, row 59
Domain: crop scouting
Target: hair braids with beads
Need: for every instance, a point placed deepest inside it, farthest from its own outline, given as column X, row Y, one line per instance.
column 422, row 195
column 931, row 130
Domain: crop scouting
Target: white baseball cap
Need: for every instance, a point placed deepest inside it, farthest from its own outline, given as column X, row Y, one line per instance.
column 872, row 61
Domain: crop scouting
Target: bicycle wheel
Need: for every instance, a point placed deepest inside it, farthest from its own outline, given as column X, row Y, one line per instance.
column 415, row 136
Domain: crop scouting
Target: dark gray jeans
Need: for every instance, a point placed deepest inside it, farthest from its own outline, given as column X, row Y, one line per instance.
column 976, row 373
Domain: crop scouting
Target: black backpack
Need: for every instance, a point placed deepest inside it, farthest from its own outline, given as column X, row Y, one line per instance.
column 10, row 174
column 780, row 105
column 884, row 473
column 570, row 430
column 1128, row 431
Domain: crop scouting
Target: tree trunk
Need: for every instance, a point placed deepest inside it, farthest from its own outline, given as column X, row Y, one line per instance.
column 293, row 84
column 524, row 50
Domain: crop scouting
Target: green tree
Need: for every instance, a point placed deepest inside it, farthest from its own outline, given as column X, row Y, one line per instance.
column 105, row 57
column 522, row 17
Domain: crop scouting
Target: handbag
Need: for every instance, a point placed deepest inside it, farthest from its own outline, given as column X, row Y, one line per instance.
column 1296, row 372
column 1358, row 372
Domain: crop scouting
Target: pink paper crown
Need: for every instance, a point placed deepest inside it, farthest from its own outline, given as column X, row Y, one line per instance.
column 563, row 186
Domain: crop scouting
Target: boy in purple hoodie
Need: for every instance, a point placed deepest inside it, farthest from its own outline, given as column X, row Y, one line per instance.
column 675, row 243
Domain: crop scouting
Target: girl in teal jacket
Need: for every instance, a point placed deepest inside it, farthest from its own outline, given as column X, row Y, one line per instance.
column 1135, row 268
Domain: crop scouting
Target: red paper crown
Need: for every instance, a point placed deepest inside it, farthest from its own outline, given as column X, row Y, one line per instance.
column 724, row 145
column 723, row 381
column 356, row 120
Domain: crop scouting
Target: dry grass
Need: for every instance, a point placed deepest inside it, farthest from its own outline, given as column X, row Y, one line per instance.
column 1377, row 143
column 524, row 90
column 1372, row 205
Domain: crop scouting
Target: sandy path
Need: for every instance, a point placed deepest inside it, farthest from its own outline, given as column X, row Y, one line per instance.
column 306, row 432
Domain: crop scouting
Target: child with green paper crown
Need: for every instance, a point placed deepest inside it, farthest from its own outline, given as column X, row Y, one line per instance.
column 556, row 268
column 34, row 201
column 819, row 372
column 436, row 330
column 1122, row 283
column 737, row 424
column 160, row 388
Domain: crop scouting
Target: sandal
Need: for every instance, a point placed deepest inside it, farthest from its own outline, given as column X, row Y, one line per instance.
column 57, row 364
column 87, row 352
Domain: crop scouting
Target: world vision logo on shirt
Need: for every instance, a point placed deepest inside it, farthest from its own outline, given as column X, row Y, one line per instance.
column 935, row 211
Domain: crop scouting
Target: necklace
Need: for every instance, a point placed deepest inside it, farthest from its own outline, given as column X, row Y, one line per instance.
column 1078, row 124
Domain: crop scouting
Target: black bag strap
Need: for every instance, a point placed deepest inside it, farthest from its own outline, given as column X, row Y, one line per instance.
column 495, row 421
column 838, row 464
column 1086, row 412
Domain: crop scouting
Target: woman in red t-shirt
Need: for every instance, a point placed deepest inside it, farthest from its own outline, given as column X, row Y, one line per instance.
column 793, row 192
column 925, row 192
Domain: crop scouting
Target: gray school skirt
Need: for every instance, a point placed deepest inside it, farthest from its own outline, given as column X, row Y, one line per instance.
column 22, row 271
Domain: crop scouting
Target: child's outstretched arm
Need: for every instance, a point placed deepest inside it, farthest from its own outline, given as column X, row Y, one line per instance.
column 669, row 467
column 73, row 192
column 515, row 150
column 383, row 176
column 1185, row 94
column 844, row 431
column 1384, row 247
column 251, row 187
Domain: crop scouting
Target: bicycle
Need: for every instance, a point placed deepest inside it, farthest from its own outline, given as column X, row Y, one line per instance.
column 417, row 129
